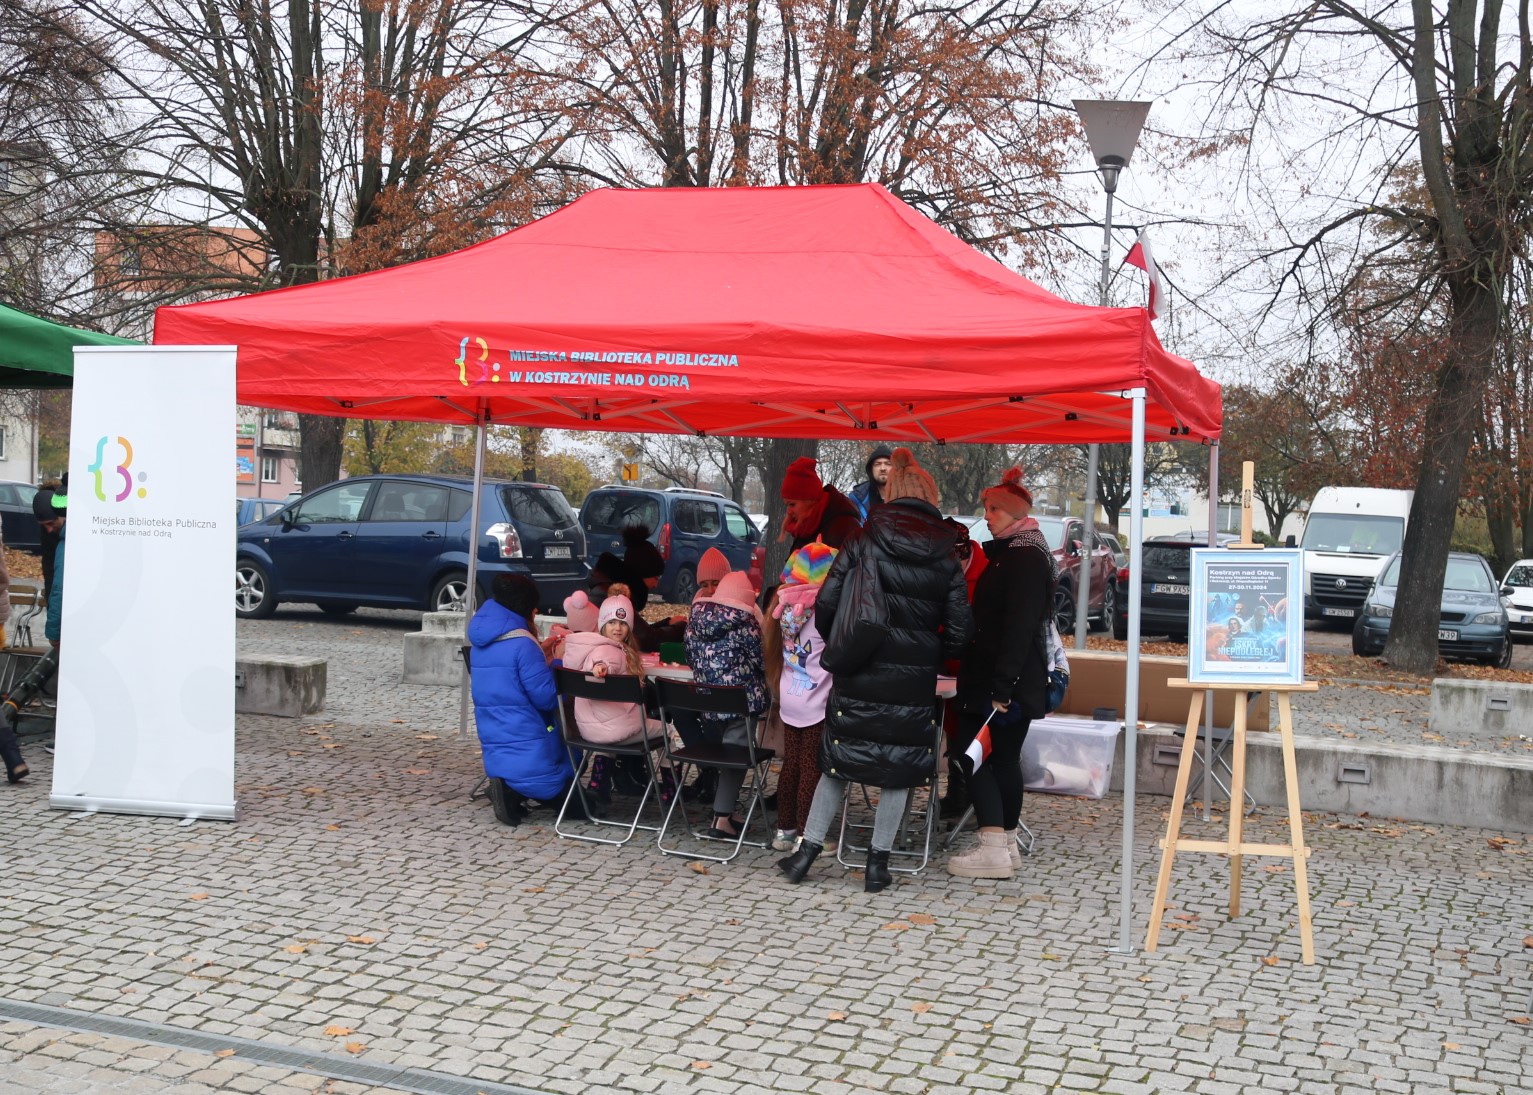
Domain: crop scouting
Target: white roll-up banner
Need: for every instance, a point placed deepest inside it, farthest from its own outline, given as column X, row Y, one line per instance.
column 146, row 657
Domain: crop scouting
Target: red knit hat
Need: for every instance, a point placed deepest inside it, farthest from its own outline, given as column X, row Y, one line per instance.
column 802, row 481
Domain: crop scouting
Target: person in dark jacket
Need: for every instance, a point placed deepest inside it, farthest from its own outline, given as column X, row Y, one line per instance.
column 515, row 702
column 869, row 493
column 881, row 720
column 816, row 510
column 1004, row 674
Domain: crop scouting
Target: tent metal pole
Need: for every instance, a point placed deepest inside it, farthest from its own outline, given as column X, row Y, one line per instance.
column 1087, row 555
column 1208, row 697
column 1131, row 683
column 473, row 562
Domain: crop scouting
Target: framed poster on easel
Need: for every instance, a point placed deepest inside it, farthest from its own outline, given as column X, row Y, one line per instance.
column 1247, row 617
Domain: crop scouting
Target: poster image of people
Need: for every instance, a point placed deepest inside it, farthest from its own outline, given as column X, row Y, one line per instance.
column 1248, row 616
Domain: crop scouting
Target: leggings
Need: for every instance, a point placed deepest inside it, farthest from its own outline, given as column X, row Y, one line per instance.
column 800, row 774
column 829, row 795
column 996, row 788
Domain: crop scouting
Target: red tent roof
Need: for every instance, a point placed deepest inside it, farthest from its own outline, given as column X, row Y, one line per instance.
column 788, row 312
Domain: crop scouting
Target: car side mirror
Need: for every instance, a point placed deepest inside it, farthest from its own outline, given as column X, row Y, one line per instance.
column 1075, row 547
column 288, row 521
column 1290, row 540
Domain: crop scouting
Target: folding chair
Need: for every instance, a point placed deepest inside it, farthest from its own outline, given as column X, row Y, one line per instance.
column 925, row 827
column 751, row 758
column 1221, row 740
column 613, row 688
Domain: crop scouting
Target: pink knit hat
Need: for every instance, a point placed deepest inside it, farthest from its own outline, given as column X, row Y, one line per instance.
column 615, row 607
column 579, row 612
column 735, row 592
column 1010, row 495
column 712, row 566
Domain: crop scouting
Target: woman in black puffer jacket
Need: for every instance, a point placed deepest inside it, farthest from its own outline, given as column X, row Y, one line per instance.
column 881, row 722
column 1004, row 673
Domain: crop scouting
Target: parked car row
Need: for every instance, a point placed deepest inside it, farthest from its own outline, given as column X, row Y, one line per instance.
column 1473, row 625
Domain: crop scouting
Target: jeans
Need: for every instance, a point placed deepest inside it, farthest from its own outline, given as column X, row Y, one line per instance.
column 831, row 792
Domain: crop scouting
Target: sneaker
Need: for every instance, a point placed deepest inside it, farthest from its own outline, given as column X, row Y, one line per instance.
column 988, row 858
column 785, row 840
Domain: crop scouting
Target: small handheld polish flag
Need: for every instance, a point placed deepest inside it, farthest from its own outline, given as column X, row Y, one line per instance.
column 979, row 748
column 1139, row 255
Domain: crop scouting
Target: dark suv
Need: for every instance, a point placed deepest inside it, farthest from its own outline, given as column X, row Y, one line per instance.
column 1165, row 590
column 1066, row 536
column 402, row 541
column 682, row 524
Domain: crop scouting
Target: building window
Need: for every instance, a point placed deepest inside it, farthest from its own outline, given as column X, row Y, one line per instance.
column 268, row 468
column 3, row 445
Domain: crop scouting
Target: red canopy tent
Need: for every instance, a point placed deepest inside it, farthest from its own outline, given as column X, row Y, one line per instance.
column 829, row 312
column 779, row 312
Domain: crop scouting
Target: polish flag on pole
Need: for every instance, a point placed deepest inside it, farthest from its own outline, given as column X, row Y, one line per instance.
column 1139, row 255
column 979, row 748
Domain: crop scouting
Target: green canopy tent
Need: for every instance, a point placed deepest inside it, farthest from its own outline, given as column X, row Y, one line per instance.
column 37, row 354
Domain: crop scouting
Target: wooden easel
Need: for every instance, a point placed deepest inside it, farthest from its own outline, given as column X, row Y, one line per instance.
column 1237, row 846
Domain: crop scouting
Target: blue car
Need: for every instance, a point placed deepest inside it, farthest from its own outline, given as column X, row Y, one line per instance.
column 1473, row 625
column 682, row 525
column 247, row 510
column 402, row 541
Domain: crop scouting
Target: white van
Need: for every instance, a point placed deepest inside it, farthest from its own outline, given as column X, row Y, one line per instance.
column 1348, row 534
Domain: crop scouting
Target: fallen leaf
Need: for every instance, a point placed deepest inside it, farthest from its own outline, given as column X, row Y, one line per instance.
column 313, row 790
column 355, row 1047
column 922, row 918
column 332, row 828
column 480, row 946
column 226, row 1052
column 1500, row 842
column 423, row 737
column 1520, row 1020
column 920, row 1008
column 697, row 866
column 417, row 771
column 1270, row 960
column 1452, row 1045
column 1276, row 868
column 1189, row 917
column 198, row 897
column 363, row 939
column 534, row 889
column 1051, row 958
column 1527, row 941
column 897, row 926
column 333, row 745
column 339, row 1032
column 1345, row 904
column 296, row 948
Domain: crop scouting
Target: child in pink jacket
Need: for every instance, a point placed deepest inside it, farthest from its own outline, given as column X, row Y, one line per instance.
column 611, row 648
column 804, row 688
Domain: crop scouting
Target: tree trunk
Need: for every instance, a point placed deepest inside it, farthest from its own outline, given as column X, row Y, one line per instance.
column 321, row 440
column 1450, row 423
column 780, row 453
column 1501, row 522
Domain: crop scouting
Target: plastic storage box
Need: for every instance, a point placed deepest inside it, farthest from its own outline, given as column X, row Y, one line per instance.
column 1069, row 756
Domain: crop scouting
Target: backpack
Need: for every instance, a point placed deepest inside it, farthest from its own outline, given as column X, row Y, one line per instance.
column 862, row 621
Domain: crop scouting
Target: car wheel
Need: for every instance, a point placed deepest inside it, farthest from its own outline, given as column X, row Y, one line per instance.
column 335, row 608
column 1119, row 627
column 1359, row 644
column 449, row 592
column 685, row 587
column 1109, row 607
column 1064, row 610
column 253, row 597
column 1505, row 660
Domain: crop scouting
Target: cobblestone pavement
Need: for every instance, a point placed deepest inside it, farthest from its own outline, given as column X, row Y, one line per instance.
column 362, row 904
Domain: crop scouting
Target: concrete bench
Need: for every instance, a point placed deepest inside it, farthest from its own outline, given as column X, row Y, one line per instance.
column 290, row 685
column 432, row 654
column 1459, row 706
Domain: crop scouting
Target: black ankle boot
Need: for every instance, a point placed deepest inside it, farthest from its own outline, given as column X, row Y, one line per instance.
column 797, row 865
column 876, row 877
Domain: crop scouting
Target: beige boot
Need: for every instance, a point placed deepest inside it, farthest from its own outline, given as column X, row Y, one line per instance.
column 988, row 860
column 1013, row 852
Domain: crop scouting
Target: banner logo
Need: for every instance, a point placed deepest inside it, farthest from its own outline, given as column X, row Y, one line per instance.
column 105, row 479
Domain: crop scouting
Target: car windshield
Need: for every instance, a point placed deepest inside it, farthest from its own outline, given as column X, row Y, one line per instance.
column 538, row 507
column 1463, row 575
column 1053, row 530
column 1519, row 575
column 1359, row 533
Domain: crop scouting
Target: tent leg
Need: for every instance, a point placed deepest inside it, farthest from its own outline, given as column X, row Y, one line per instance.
column 473, row 566
column 1208, row 697
column 1131, row 683
column 1083, row 572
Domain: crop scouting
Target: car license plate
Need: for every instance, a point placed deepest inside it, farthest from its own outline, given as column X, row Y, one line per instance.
column 1179, row 590
column 556, row 551
column 1347, row 612
column 1448, row 636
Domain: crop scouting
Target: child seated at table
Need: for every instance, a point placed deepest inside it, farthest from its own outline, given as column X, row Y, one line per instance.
column 724, row 647
column 514, row 701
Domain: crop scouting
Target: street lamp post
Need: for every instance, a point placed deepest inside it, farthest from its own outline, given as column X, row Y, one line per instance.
column 1112, row 129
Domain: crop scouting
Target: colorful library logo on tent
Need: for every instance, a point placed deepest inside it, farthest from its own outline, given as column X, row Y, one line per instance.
column 108, row 480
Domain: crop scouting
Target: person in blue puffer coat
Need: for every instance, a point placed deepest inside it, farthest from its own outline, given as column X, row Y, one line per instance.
column 515, row 702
